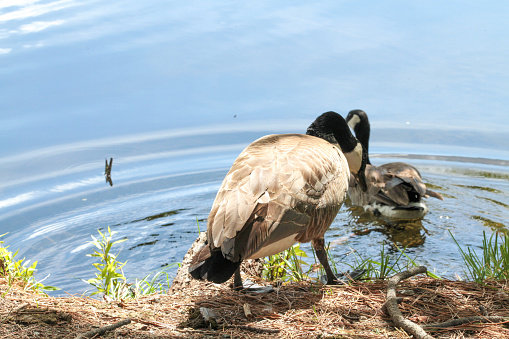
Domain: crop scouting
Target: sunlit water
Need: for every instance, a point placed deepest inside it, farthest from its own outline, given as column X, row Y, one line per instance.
column 173, row 91
column 158, row 200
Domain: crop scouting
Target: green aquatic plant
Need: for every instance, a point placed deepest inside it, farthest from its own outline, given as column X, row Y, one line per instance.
column 493, row 225
column 159, row 281
column 286, row 266
column 492, row 264
column 496, row 202
column 387, row 264
column 481, row 188
column 390, row 265
column 380, row 269
column 15, row 270
column 109, row 279
column 412, row 263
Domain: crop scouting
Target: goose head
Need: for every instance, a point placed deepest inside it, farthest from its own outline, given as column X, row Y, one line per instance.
column 358, row 121
column 332, row 127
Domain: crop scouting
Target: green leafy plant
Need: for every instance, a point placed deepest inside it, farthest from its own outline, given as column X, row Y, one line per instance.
column 19, row 270
column 492, row 264
column 109, row 279
column 286, row 266
column 376, row 269
column 159, row 282
column 332, row 263
column 412, row 263
column 387, row 265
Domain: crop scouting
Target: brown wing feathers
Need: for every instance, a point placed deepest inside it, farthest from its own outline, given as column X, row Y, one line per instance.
column 274, row 191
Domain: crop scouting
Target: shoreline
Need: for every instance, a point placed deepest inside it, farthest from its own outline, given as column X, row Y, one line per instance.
column 294, row 310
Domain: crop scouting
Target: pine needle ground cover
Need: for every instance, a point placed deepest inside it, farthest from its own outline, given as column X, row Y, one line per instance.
column 295, row 310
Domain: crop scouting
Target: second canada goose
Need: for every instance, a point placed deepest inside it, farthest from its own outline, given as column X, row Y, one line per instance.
column 282, row 189
column 395, row 190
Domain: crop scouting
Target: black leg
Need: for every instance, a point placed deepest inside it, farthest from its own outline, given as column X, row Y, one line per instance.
column 237, row 280
column 319, row 246
column 238, row 285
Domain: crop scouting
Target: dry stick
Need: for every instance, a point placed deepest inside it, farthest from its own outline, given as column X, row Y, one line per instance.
column 461, row 321
column 392, row 305
column 254, row 328
column 399, row 300
column 102, row 330
column 17, row 310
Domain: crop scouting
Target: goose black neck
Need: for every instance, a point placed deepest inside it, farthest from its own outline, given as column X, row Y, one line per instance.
column 332, row 127
column 362, row 129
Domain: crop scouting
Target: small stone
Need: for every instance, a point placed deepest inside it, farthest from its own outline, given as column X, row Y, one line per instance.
column 406, row 292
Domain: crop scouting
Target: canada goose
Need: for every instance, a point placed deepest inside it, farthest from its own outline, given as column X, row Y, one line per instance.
column 395, row 190
column 282, row 189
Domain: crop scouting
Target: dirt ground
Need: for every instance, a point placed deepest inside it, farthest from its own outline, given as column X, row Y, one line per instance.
column 297, row 310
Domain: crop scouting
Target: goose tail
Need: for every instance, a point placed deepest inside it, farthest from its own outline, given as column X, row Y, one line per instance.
column 430, row 193
column 212, row 266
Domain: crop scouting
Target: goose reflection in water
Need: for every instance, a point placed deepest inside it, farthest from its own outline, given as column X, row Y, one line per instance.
column 403, row 233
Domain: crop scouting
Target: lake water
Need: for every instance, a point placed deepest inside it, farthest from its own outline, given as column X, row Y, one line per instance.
column 174, row 91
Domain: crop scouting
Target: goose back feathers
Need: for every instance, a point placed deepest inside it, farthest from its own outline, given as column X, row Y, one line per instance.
column 273, row 192
column 281, row 189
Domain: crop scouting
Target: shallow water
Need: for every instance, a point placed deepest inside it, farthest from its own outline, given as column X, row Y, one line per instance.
column 174, row 91
column 157, row 200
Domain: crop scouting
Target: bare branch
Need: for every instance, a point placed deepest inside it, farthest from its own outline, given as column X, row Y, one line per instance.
column 392, row 305
column 104, row 329
column 461, row 321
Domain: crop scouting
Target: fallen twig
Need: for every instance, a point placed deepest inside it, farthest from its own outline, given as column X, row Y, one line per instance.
column 27, row 310
column 247, row 311
column 104, row 329
column 399, row 300
column 461, row 321
column 11, row 310
column 254, row 328
column 392, row 305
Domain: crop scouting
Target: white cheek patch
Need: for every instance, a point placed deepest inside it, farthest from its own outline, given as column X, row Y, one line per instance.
column 354, row 121
column 354, row 158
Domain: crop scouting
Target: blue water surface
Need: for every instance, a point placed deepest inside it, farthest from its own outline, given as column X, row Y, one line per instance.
column 173, row 91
